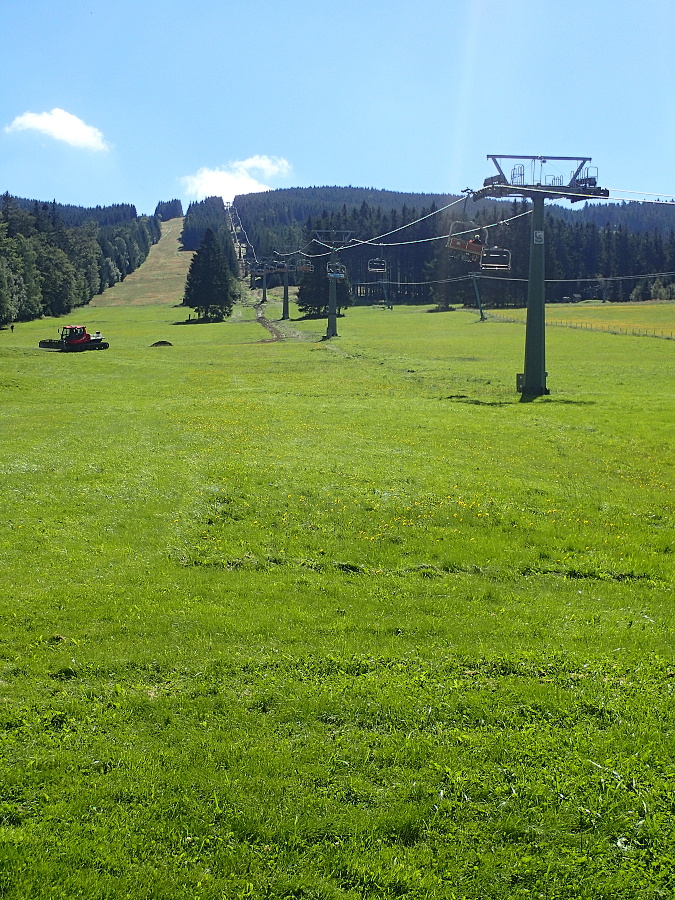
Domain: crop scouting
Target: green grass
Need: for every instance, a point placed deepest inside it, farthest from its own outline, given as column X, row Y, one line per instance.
column 305, row 619
column 655, row 319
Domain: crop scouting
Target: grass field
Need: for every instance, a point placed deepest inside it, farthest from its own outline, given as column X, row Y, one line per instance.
column 305, row 619
column 656, row 319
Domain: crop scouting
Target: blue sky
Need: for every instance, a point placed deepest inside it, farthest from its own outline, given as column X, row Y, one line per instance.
column 137, row 101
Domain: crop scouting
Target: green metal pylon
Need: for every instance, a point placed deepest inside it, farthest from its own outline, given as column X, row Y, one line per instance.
column 331, row 329
column 284, row 314
column 534, row 377
column 479, row 302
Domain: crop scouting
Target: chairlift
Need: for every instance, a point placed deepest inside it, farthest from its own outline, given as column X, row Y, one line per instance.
column 336, row 270
column 281, row 267
column 305, row 265
column 495, row 259
column 467, row 240
column 377, row 265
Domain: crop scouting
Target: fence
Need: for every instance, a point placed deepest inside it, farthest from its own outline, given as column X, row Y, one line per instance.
column 590, row 326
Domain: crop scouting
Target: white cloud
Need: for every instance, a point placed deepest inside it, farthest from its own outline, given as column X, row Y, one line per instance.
column 62, row 126
column 235, row 178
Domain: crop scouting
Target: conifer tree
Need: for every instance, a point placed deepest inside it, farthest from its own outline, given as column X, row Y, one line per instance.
column 209, row 287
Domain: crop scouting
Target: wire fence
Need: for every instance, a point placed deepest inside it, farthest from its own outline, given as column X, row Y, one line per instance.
column 591, row 326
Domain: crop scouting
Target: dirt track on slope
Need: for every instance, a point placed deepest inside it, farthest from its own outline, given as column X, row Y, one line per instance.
column 260, row 317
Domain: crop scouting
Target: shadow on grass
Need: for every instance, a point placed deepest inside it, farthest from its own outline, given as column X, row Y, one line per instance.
column 462, row 398
column 199, row 322
column 524, row 398
column 563, row 400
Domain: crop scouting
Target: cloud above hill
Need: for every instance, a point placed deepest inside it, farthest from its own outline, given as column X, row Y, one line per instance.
column 238, row 177
column 62, row 126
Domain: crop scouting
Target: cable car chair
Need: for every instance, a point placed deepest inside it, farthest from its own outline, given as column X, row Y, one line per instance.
column 377, row 265
column 305, row 265
column 495, row 259
column 336, row 270
column 467, row 240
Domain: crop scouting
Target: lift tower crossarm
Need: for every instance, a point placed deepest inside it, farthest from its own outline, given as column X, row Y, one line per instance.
column 499, row 185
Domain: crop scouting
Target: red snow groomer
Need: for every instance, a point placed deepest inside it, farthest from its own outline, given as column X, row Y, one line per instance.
column 75, row 337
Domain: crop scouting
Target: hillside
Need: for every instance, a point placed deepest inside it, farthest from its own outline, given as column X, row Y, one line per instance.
column 286, row 206
column 161, row 278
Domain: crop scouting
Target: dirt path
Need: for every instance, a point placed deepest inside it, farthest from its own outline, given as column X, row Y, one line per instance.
column 277, row 334
column 280, row 330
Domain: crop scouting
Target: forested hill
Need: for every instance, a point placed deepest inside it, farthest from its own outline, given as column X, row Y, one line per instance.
column 285, row 208
column 619, row 251
column 54, row 258
column 278, row 219
column 289, row 205
column 634, row 216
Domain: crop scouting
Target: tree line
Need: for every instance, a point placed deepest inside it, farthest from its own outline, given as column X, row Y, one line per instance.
column 47, row 267
column 72, row 216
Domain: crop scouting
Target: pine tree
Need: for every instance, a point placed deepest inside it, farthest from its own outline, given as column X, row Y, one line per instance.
column 169, row 209
column 210, row 288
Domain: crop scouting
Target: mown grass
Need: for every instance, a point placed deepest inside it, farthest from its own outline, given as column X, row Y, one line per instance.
column 335, row 619
column 161, row 278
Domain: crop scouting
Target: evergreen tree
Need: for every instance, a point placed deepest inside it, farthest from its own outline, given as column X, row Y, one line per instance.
column 30, row 301
column 169, row 209
column 210, row 288
column 58, row 279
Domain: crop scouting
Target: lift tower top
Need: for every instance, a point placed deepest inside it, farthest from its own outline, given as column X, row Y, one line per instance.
column 582, row 185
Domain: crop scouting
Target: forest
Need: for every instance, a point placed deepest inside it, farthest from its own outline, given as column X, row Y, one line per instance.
column 611, row 251
column 55, row 258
